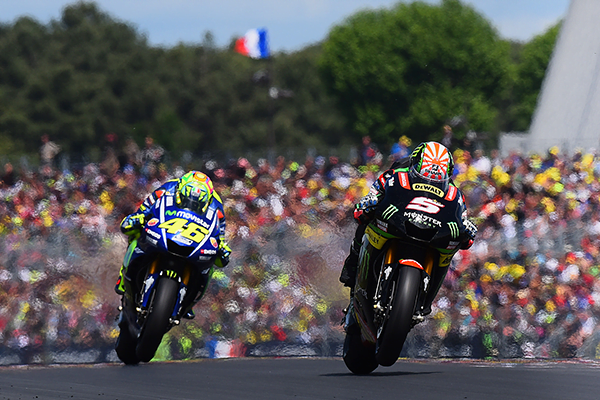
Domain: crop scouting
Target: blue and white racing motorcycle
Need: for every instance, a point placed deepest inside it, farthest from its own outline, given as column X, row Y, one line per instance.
column 169, row 268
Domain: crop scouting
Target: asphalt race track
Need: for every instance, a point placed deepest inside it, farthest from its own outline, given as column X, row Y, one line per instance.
column 305, row 378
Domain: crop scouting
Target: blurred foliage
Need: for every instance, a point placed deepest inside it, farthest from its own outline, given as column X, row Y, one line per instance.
column 413, row 68
column 406, row 70
column 87, row 74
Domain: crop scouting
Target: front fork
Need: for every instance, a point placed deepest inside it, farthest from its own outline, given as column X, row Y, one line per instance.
column 152, row 277
column 385, row 289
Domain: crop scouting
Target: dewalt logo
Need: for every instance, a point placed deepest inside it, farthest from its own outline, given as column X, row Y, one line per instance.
column 428, row 188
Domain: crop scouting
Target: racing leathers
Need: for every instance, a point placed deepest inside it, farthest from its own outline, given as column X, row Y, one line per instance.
column 363, row 214
column 134, row 223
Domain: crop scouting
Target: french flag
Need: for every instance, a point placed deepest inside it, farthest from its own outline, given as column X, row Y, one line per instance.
column 254, row 44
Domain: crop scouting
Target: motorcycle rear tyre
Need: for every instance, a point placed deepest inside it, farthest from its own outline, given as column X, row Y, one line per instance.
column 125, row 346
column 391, row 338
column 157, row 321
column 359, row 357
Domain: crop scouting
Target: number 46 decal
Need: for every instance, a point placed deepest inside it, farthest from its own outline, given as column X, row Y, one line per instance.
column 188, row 229
column 425, row 204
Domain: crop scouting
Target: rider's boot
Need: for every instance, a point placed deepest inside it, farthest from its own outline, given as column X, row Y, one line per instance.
column 120, row 286
column 189, row 314
column 348, row 274
column 348, row 318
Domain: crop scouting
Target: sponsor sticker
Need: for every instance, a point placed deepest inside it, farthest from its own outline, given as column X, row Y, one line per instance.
column 428, row 188
column 452, row 245
column 214, row 242
column 182, row 240
column 452, row 191
column 445, row 259
column 404, row 180
column 192, row 217
column 422, row 219
column 376, row 240
column 152, row 233
column 454, row 231
column 153, row 222
column 208, row 252
column 382, row 225
column 391, row 210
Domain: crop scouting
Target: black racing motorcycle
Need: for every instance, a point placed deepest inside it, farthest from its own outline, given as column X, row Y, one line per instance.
column 179, row 247
column 416, row 226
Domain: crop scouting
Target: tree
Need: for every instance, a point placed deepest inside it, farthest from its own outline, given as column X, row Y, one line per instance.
column 76, row 79
column 411, row 69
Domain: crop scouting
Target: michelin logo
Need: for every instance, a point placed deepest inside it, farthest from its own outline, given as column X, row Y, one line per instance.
column 182, row 240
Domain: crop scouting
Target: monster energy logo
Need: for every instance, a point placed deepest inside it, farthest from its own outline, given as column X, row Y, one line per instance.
column 365, row 266
column 391, row 210
column 171, row 274
column 171, row 212
column 453, row 229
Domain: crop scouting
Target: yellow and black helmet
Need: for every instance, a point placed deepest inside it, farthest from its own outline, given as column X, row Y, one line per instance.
column 194, row 192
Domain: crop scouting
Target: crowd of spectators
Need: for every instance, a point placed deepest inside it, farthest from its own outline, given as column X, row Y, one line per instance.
column 529, row 287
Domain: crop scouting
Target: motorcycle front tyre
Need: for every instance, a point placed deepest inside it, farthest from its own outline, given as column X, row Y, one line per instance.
column 125, row 346
column 359, row 357
column 395, row 329
column 157, row 321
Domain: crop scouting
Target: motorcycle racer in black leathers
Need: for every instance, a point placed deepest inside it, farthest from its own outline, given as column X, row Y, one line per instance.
column 429, row 165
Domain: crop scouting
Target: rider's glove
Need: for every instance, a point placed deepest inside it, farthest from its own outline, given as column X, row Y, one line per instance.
column 132, row 223
column 367, row 203
column 224, row 252
column 471, row 230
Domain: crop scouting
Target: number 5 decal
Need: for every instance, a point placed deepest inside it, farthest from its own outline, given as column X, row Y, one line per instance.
column 425, row 204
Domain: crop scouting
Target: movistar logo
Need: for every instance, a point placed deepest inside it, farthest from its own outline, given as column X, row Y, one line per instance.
column 391, row 210
column 170, row 212
column 454, row 232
